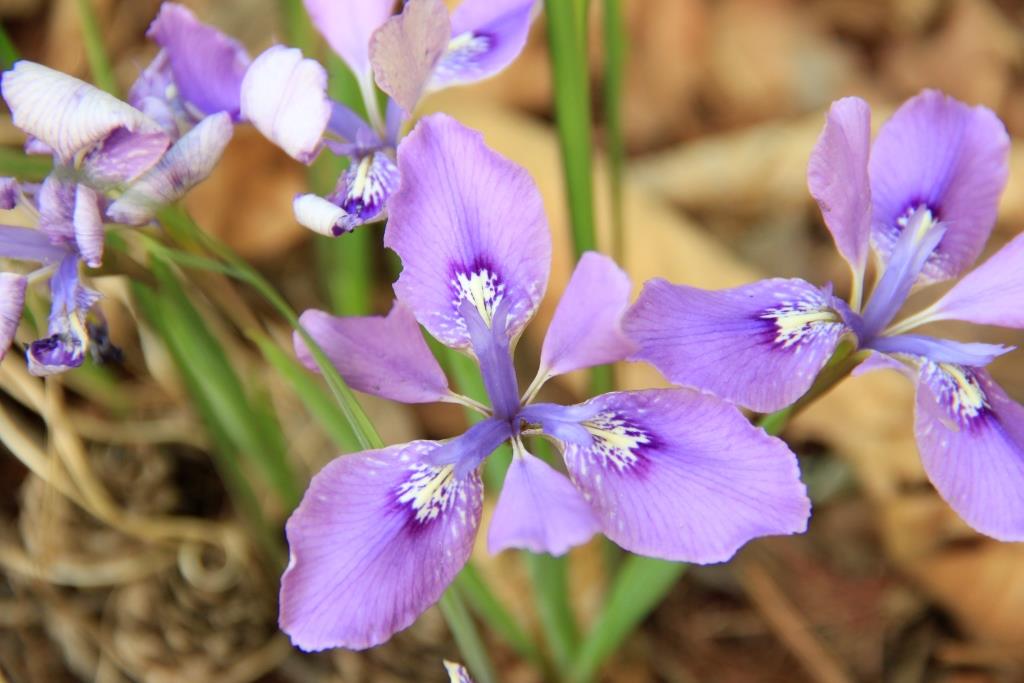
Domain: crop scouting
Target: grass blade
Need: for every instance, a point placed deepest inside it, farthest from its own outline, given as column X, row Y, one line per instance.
column 309, row 390
column 464, row 630
column 95, row 50
column 482, row 601
column 17, row 164
column 567, row 42
column 639, row 586
column 8, row 53
column 616, row 49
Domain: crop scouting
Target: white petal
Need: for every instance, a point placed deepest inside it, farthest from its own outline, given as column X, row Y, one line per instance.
column 285, row 97
column 317, row 214
column 68, row 115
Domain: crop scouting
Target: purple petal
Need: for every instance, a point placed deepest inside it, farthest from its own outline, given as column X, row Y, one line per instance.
column 586, row 329
column 760, row 345
column 65, row 348
column 879, row 361
column 375, row 541
column 88, row 224
column 405, row 49
column 12, row 301
column 972, row 354
column 837, row 176
column 680, row 475
column 457, row 673
column 208, row 66
column 383, row 356
column 492, row 348
column 539, row 510
column 26, row 244
column 285, row 97
column 9, row 193
column 363, row 191
column 68, row 115
column 351, row 127
column 991, row 294
column 468, row 225
column 487, row 35
column 122, row 157
column 466, row 451
column 971, row 438
column 186, row 164
column 940, row 154
column 155, row 94
column 57, row 209
column 347, row 26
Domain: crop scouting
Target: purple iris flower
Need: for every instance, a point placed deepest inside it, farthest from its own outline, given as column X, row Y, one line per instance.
column 923, row 198
column 408, row 55
column 671, row 473
column 112, row 163
column 197, row 72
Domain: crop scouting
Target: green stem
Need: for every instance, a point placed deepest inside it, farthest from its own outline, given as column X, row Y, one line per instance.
column 95, row 51
column 466, row 637
column 487, row 606
column 567, row 41
column 550, row 579
column 616, row 49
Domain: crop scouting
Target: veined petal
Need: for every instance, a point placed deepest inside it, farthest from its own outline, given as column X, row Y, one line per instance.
column 26, row 244
column 971, row 438
column 760, row 345
column 68, row 115
column 208, row 66
column 155, row 94
column 365, row 189
column 12, row 301
column 377, row 538
column 837, row 175
column 586, row 329
column 406, row 47
column 285, row 97
column 971, row 354
column 88, row 222
column 683, row 476
column 991, row 294
column 347, row 26
column 383, row 356
column 486, row 36
column 9, row 193
column 939, row 154
column 468, row 225
column 122, row 157
column 539, row 510
column 186, row 164
column 57, row 209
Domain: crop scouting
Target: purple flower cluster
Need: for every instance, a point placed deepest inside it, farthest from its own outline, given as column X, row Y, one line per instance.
column 671, row 473
column 114, row 162
column 923, row 198
column 408, row 55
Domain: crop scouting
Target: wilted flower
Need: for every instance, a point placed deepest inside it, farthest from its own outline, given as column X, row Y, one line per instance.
column 674, row 474
column 924, row 198
column 457, row 673
column 111, row 163
column 421, row 50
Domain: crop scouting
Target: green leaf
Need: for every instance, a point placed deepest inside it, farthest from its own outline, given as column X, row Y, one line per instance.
column 8, row 52
column 616, row 50
column 487, row 606
column 464, row 630
column 200, row 355
column 641, row 585
column 311, row 392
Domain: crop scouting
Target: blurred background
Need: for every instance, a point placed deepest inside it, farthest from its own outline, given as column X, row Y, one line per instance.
column 723, row 101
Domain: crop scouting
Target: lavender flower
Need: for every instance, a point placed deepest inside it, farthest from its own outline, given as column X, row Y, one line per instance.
column 924, row 199
column 457, row 673
column 421, row 50
column 111, row 163
column 379, row 534
column 197, row 72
